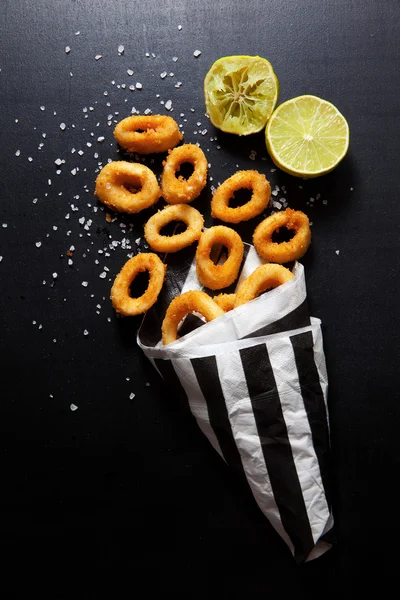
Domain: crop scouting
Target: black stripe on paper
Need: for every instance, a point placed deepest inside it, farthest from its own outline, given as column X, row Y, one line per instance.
column 206, row 371
column 169, row 375
column 314, row 403
column 276, row 448
column 298, row 317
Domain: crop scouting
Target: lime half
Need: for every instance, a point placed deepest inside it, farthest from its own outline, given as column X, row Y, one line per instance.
column 240, row 93
column 307, row 136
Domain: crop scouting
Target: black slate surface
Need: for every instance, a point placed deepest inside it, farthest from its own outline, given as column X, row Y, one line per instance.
column 132, row 483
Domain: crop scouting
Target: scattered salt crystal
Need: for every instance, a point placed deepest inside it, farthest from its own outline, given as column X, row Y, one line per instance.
column 253, row 155
column 42, row 108
column 4, row 225
column 147, row 111
column 89, row 144
column 73, row 171
column 73, row 407
column 196, row 53
column 100, row 138
column 163, row 74
column 67, row 49
column 178, row 85
column 18, row 152
column 55, row 275
column 139, row 85
column 337, row 252
column 34, row 200
column 38, row 244
column 103, row 275
column 85, row 283
column 130, row 72
column 325, row 202
column 168, row 104
column 132, row 88
column 131, row 396
column 85, row 332
column 121, row 49
column 77, row 32
column 174, row 58
column 1, row 258
column 147, row 384
column 80, row 152
column 62, row 126
column 70, row 262
column 98, row 56
column 179, row 27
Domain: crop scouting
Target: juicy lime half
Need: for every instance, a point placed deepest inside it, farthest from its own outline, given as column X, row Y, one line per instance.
column 307, row 136
column 240, row 93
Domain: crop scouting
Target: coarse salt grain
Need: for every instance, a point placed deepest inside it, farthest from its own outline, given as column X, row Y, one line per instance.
column 38, row 244
column 85, row 332
column 73, row 407
column 130, row 72
column 131, row 396
column 55, row 275
column 18, row 152
column 121, row 49
column 196, row 53
column 168, row 104
column 139, row 86
column 98, row 56
column 62, row 126
column 85, row 283
column 163, row 74
column 337, row 252
column 67, row 49
column 100, row 138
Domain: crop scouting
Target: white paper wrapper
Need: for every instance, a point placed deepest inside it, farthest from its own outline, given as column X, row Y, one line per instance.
column 255, row 380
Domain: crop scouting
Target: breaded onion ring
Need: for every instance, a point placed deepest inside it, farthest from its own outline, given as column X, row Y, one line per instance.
column 285, row 251
column 212, row 275
column 225, row 301
column 193, row 301
column 263, row 278
column 120, row 296
column 146, row 134
column 116, row 179
column 172, row 243
column 178, row 190
column 251, row 180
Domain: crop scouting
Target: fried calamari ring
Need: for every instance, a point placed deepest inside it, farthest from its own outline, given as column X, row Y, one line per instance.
column 179, row 212
column 225, row 301
column 193, row 301
column 178, row 190
column 251, row 180
column 285, row 251
column 212, row 275
column 120, row 296
column 116, row 180
column 146, row 134
column 263, row 278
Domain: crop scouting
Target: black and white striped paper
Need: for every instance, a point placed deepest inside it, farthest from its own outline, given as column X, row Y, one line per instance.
column 256, row 382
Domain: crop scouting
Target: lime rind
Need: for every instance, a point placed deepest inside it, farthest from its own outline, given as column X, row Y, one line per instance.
column 307, row 136
column 240, row 93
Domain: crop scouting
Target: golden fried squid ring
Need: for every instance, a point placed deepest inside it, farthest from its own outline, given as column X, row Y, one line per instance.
column 225, row 301
column 215, row 276
column 251, row 180
column 263, row 278
column 285, row 251
column 177, row 190
column 146, row 134
column 120, row 296
column 116, row 180
column 193, row 301
column 172, row 243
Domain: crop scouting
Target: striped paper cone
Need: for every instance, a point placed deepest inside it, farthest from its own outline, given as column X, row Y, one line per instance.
column 256, row 383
